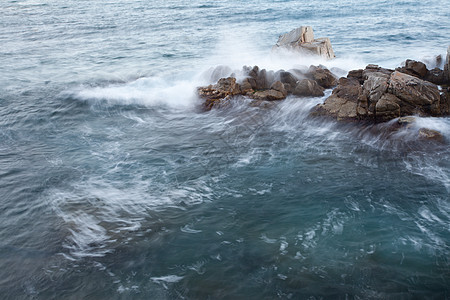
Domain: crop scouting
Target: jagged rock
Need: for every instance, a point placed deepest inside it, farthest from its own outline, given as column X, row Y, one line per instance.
column 430, row 134
column 322, row 76
column 374, row 87
column 414, row 68
column 302, row 39
column 445, row 103
column 423, row 96
column 289, row 81
column 387, row 108
column 308, row 87
column 344, row 103
column 223, row 90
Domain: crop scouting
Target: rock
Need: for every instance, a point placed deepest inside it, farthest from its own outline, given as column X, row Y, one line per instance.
column 387, row 108
column 268, row 95
column 321, row 47
column 303, row 34
column 246, row 87
column 374, row 87
column 279, row 86
column 430, row 134
column 302, row 39
column 357, row 74
column 344, row 103
column 423, row 96
column 308, row 87
column 436, row 76
column 406, row 121
column 215, row 94
column 414, row 68
column 322, row 76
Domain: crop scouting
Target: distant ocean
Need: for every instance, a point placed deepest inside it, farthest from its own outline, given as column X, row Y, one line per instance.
column 115, row 185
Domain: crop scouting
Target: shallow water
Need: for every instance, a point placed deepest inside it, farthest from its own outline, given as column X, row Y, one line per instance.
column 115, row 185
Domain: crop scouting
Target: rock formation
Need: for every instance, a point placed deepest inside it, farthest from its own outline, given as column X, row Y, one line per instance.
column 302, row 39
column 262, row 85
column 378, row 94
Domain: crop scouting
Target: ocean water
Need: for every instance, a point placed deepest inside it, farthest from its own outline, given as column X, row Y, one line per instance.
column 115, row 185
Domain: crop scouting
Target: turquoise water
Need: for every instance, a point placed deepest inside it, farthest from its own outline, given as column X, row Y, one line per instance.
column 114, row 185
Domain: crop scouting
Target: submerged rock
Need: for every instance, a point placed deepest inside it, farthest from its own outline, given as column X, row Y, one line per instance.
column 430, row 134
column 302, row 39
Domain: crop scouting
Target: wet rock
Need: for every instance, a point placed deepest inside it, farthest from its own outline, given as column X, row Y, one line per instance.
column 268, row 95
column 414, row 68
column 436, row 76
column 430, row 134
column 357, row 74
column 289, row 81
column 308, row 87
column 322, row 76
column 215, row 94
column 344, row 103
column 279, row 86
column 387, row 108
column 374, row 87
column 302, row 39
column 422, row 95
column 406, row 121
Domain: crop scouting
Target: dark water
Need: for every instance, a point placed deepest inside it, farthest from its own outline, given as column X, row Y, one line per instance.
column 113, row 185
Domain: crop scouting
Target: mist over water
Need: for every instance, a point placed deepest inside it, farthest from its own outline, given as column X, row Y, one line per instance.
column 114, row 184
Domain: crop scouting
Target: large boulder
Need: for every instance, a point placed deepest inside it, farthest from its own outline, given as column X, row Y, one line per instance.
column 302, row 39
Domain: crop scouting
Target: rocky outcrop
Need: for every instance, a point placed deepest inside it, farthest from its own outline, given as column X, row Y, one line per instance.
column 302, row 39
column 263, row 85
column 378, row 94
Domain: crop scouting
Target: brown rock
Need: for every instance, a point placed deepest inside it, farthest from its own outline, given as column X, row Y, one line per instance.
column 269, row 95
column 436, row 76
column 430, row 134
column 278, row 86
column 357, row 74
column 414, row 68
column 345, row 102
column 308, row 87
column 387, row 108
column 422, row 95
column 322, row 76
column 375, row 86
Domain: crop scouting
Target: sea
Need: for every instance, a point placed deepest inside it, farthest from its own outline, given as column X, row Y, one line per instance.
column 115, row 184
